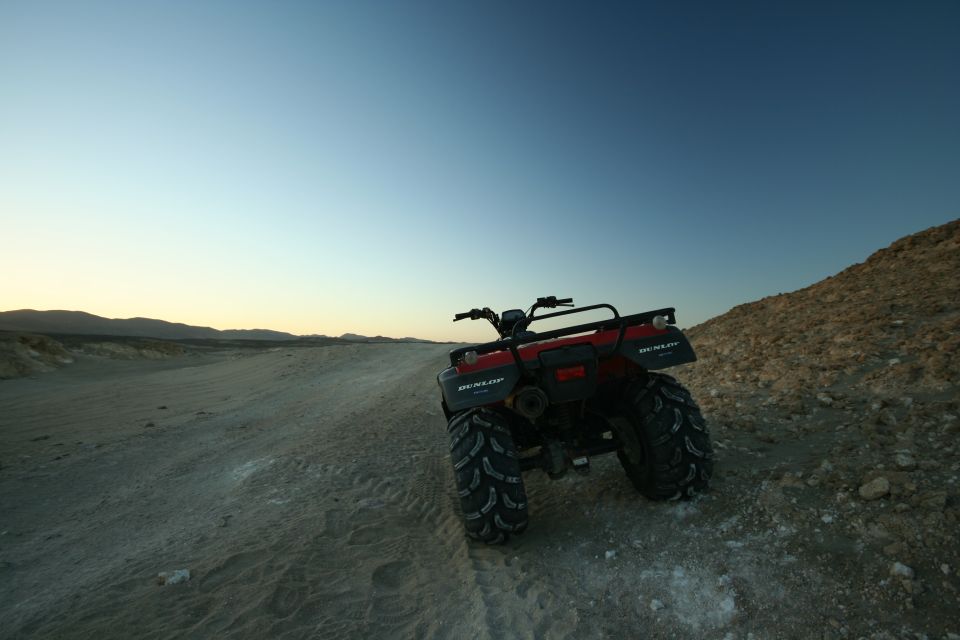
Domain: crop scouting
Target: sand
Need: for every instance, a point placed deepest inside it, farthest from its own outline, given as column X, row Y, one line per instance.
column 309, row 493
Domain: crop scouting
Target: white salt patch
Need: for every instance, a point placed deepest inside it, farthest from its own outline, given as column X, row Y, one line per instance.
column 700, row 599
column 684, row 510
column 247, row 469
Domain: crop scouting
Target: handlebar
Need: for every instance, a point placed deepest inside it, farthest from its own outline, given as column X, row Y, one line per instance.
column 475, row 314
column 552, row 301
column 486, row 313
column 509, row 327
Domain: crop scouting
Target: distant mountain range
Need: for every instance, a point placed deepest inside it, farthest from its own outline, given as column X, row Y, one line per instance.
column 81, row 323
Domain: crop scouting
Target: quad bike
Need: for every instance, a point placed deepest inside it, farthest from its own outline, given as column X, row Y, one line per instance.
column 553, row 400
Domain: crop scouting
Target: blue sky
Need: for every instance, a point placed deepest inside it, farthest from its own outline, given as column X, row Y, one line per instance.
column 374, row 167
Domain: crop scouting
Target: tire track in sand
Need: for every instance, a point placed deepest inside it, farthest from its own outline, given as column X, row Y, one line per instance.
column 332, row 515
column 386, row 551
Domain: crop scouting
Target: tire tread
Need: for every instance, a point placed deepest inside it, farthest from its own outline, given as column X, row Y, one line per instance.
column 676, row 460
column 488, row 476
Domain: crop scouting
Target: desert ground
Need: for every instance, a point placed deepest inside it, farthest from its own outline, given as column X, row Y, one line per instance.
column 295, row 490
column 309, row 493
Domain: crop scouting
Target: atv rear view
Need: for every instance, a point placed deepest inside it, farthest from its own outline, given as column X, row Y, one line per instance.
column 554, row 400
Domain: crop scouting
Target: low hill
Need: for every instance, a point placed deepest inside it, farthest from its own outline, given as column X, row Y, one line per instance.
column 889, row 325
column 79, row 322
column 82, row 323
column 353, row 337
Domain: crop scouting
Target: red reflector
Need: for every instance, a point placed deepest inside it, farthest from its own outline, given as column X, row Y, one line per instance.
column 571, row 373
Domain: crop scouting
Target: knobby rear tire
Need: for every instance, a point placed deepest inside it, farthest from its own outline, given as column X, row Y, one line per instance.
column 665, row 450
column 488, row 477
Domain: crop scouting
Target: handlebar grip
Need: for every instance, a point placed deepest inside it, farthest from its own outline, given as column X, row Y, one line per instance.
column 473, row 314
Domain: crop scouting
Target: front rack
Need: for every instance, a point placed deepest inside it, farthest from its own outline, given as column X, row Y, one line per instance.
column 514, row 343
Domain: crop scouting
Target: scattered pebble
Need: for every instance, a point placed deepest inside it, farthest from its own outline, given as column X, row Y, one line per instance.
column 888, row 418
column 945, row 569
column 656, row 605
column 901, row 570
column 905, row 461
column 610, row 555
column 876, row 488
column 935, row 500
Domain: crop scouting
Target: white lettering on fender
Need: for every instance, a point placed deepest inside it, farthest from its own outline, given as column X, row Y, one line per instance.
column 485, row 383
column 658, row 347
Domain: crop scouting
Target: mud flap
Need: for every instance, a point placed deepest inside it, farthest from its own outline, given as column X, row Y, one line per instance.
column 659, row 352
column 463, row 391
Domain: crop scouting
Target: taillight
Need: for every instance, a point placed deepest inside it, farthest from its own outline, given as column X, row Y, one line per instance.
column 571, row 373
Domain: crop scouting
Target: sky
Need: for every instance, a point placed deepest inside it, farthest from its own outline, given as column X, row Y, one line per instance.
column 375, row 167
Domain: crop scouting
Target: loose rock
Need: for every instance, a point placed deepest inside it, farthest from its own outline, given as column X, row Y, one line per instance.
column 901, row 570
column 905, row 461
column 876, row 488
column 935, row 500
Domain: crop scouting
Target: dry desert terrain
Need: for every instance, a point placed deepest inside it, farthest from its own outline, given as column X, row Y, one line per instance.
column 308, row 490
column 309, row 493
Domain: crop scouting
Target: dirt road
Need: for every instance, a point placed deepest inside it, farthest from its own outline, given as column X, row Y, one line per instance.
column 309, row 493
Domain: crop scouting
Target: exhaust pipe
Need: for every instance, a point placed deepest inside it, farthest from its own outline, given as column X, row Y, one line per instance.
column 529, row 402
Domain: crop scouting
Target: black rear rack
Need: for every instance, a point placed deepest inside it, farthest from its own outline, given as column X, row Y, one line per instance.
column 514, row 343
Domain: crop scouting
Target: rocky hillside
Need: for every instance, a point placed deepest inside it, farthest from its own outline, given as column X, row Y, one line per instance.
column 886, row 326
column 26, row 354
column 844, row 398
